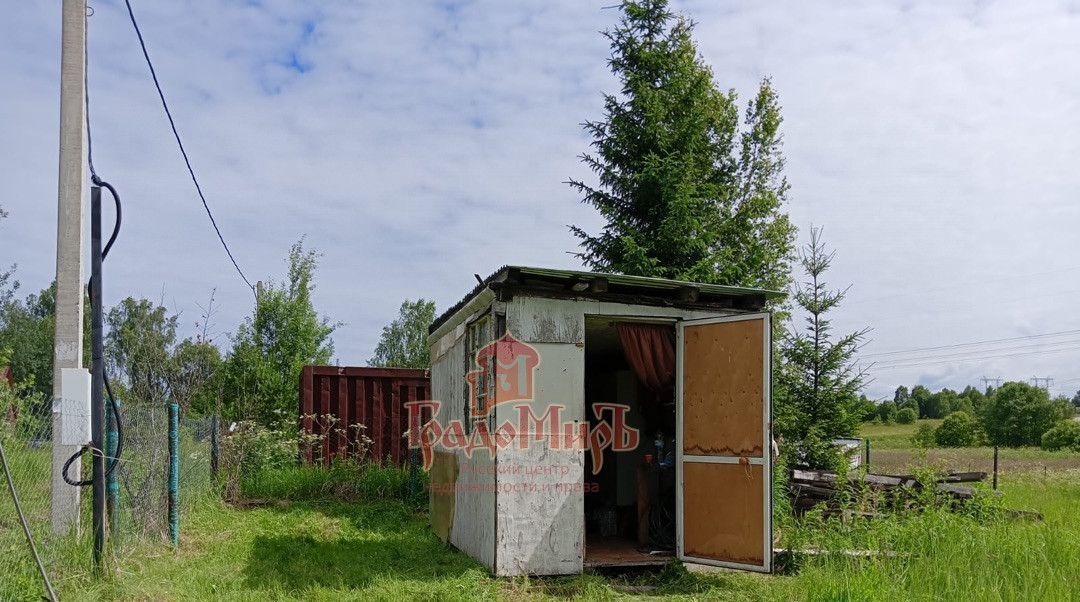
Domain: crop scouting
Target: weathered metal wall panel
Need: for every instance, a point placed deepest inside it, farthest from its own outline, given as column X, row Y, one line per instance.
column 608, row 308
column 468, row 508
column 540, row 511
column 343, row 404
column 543, row 320
column 541, row 504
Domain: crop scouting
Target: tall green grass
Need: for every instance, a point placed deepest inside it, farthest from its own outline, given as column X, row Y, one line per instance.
column 939, row 555
column 976, row 552
column 342, row 481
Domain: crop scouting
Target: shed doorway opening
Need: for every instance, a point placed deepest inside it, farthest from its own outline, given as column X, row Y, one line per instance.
column 630, row 494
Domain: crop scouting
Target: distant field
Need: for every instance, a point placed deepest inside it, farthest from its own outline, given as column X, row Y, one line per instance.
column 892, row 436
column 891, row 450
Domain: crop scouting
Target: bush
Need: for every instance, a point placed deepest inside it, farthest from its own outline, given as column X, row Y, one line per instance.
column 814, row 452
column 1063, row 435
column 29, row 409
column 886, row 411
column 249, row 449
column 924, row 436
column 1018, row 414
column 958, row 429
column 906, row 416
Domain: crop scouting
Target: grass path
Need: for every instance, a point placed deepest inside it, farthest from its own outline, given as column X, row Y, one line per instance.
column 302, row 551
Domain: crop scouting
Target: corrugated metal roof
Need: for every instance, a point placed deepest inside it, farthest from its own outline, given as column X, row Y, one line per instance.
column 644, row 285
column 647, row 282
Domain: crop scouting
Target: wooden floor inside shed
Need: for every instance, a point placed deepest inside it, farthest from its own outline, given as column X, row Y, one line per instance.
column 602, row 552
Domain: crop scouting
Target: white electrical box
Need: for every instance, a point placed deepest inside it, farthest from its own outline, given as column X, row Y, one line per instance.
column 74, row 406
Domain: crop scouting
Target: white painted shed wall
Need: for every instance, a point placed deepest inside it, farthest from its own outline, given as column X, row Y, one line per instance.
column 535, row 523
column 473, row 527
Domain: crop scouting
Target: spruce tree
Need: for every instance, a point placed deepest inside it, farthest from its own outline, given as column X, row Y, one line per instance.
column 685, row 195
column 818, row 383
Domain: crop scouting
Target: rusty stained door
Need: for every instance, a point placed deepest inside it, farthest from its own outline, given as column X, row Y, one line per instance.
column 723, row 499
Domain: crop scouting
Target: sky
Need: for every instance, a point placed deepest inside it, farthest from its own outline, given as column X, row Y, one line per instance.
column 415, row 144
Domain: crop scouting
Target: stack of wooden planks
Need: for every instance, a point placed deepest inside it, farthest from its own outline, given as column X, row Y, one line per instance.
column 810, row 488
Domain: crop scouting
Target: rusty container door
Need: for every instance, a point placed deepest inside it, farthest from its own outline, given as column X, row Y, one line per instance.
column 724, row 505
column 347, row 409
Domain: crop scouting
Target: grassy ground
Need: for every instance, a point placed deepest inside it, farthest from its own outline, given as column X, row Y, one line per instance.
column 892, row 436
column 307, row 550
column 302, row 547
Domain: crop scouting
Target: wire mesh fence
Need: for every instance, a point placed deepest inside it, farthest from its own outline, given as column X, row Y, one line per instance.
column 143, row 475
column 138, row 490
column 27, row 442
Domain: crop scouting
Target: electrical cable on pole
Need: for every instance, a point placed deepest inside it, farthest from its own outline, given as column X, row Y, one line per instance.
column 180, row 144
column 102, row 467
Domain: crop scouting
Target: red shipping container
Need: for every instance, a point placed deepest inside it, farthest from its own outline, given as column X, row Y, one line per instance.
column 342, row 405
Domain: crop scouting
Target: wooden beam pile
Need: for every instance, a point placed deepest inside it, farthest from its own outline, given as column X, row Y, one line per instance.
column 809, row 488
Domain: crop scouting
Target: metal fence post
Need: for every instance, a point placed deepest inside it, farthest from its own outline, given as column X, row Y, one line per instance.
column 112, row 483
column 174, row 474
column 414, row 480
column 215, row 440
column 867, row 462
column 995, row 467
column 97, row 377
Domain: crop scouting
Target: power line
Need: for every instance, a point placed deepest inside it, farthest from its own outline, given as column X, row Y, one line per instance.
column 968, row 359
column 973, row 352
column 180, row 144
column 973, row 343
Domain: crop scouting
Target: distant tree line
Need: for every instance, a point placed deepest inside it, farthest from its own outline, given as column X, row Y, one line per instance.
column 1016, row 414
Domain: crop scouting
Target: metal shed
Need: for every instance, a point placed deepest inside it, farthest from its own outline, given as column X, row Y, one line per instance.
column 585, row 419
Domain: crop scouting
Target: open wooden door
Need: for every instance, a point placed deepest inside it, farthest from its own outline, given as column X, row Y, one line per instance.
column 724, row 467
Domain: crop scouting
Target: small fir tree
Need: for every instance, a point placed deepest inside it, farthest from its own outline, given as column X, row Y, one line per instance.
column 819, row 382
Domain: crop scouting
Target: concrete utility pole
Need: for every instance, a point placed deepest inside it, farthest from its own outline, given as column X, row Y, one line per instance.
column 68, row 344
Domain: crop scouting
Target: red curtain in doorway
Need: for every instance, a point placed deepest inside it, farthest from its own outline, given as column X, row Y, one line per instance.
column 650, row 350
